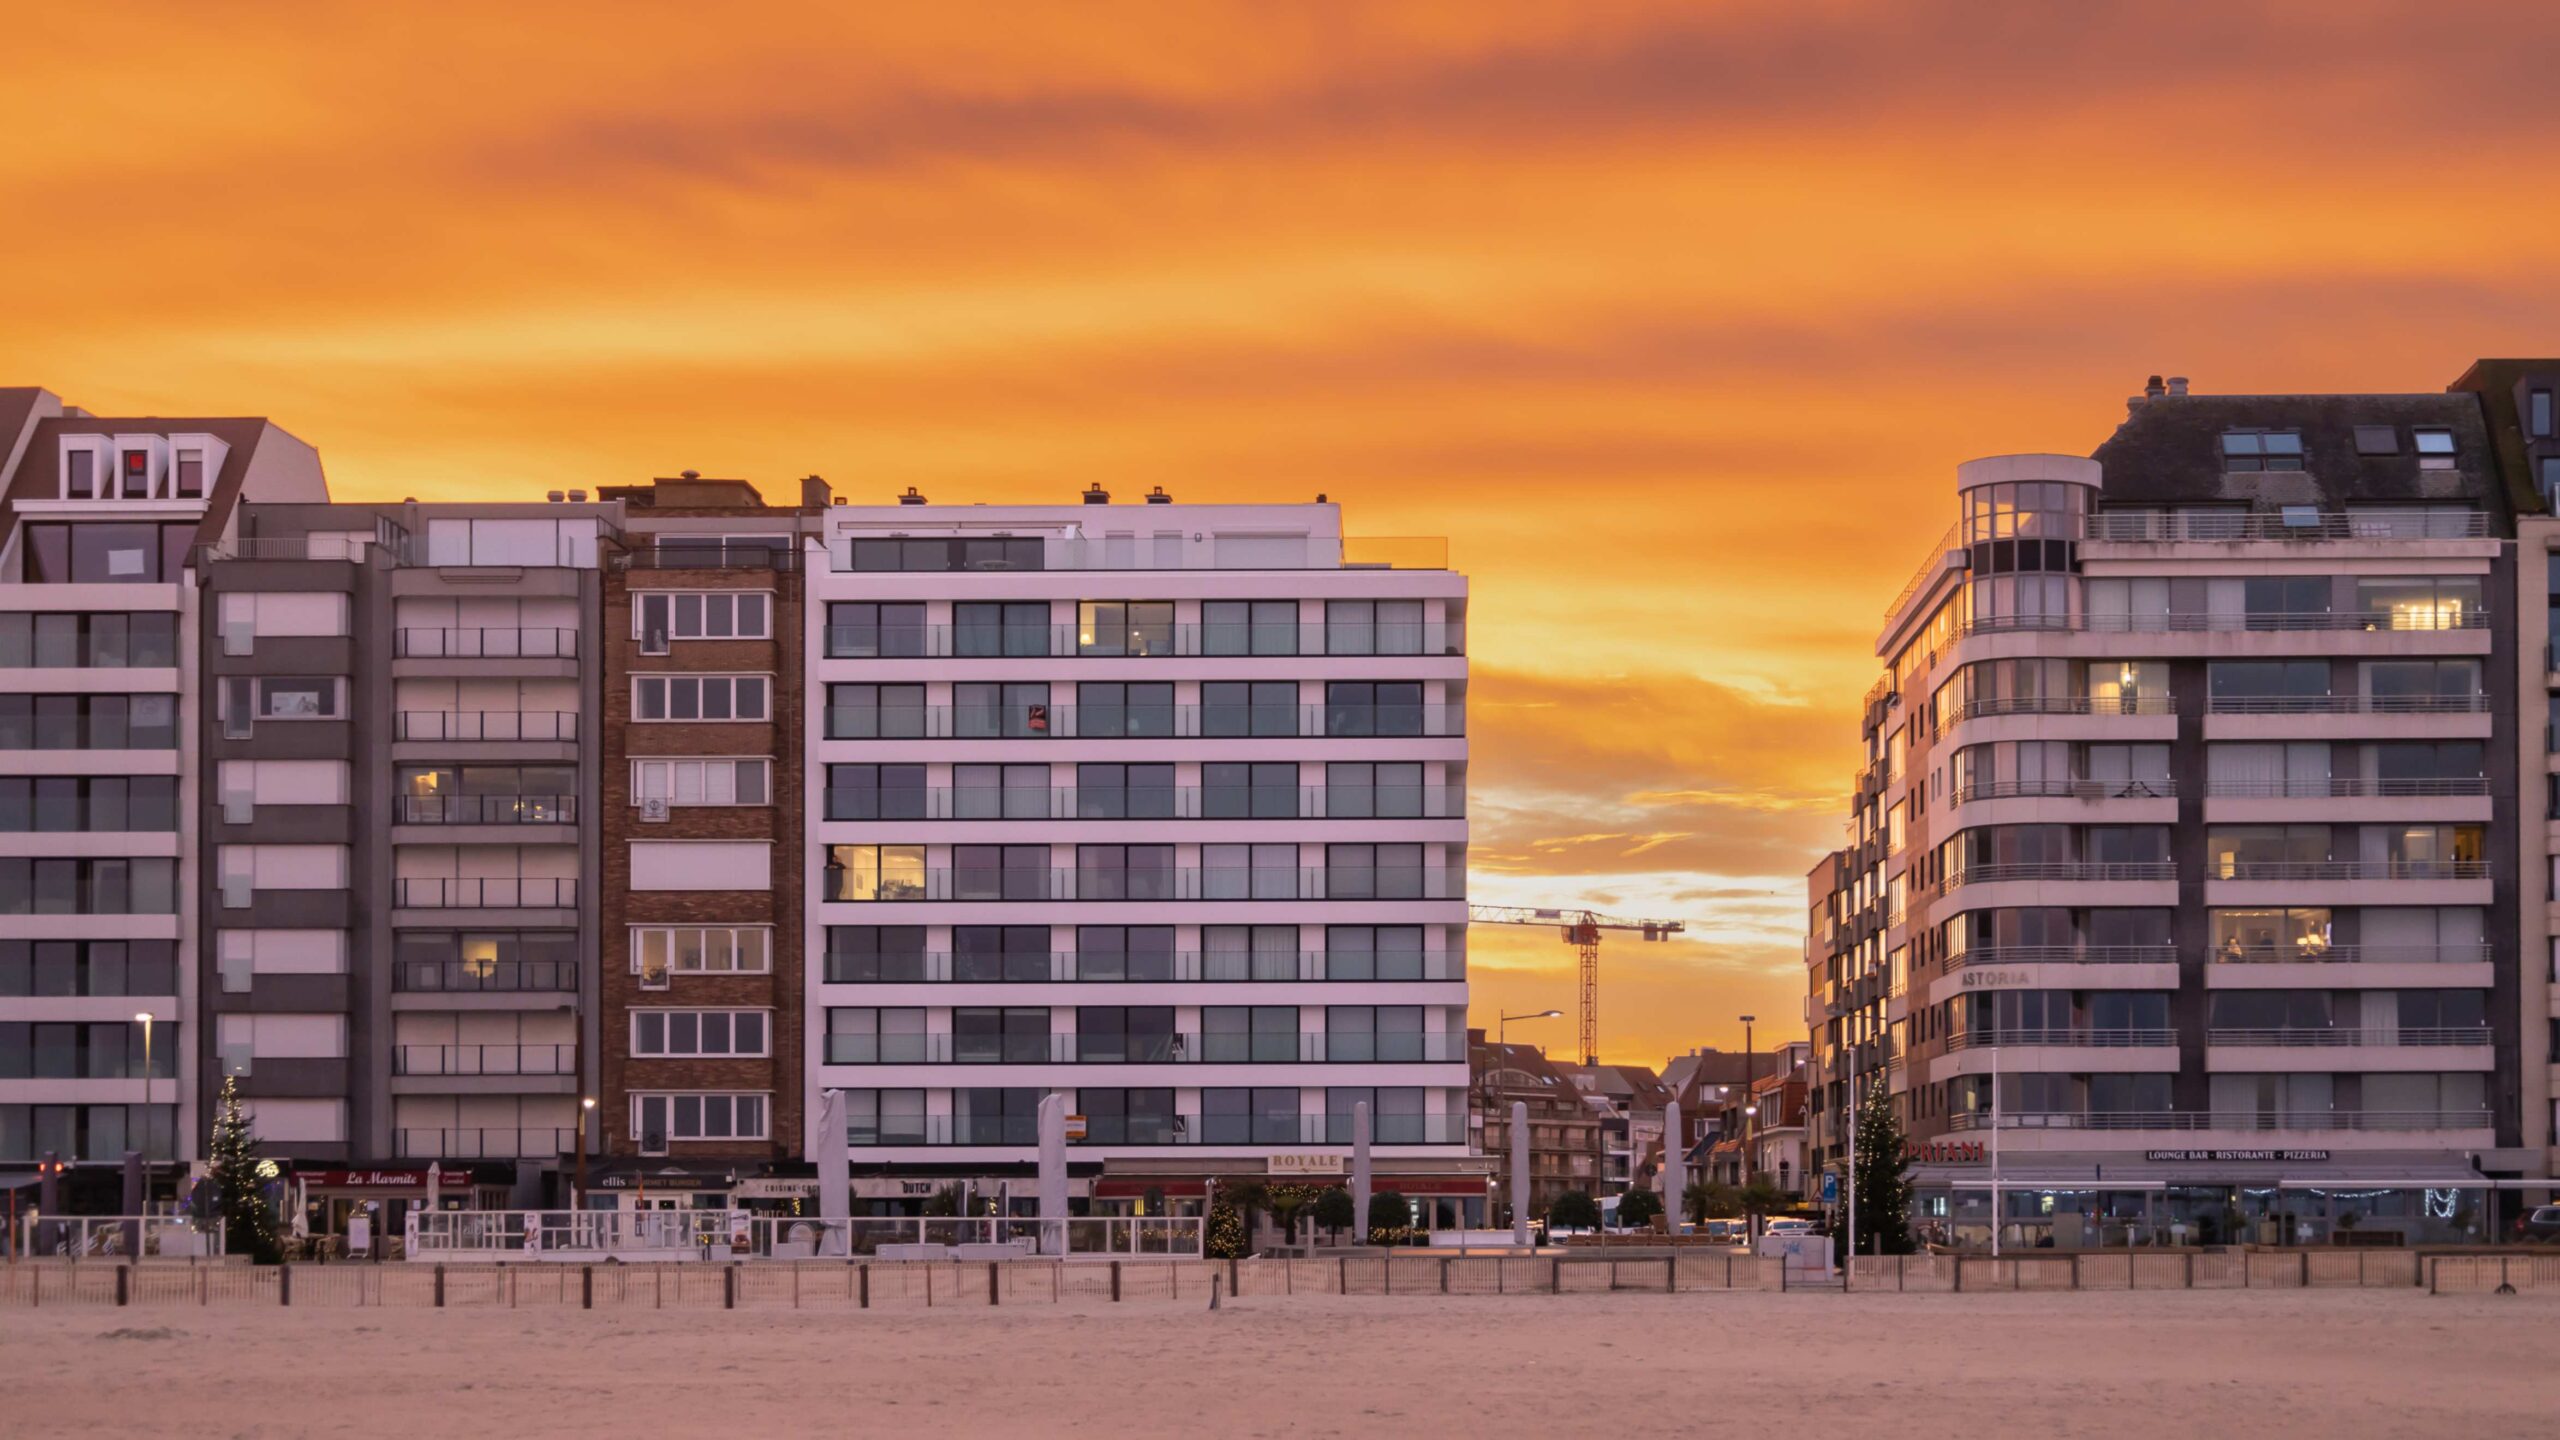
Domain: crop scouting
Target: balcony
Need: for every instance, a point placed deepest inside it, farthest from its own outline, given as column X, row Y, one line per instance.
column 2074, row 1039
column 2346, row 704
column 712, row 552
column 500, row 892
column 477, row 1060
column 2347, row 787
column 1149, row 641
column 2473, row 1036
column 2322, row 954
column 2066, row 955
column 487, row 725
column 2260, row 1121
column 1165, row 884
column 1226, row 1048
column 2315, row 870
column 484, row 977
column 997, row 554
column 2062, row 870
column 1183, row 967
column 2232, row 622
column 2156, row 788
column 2063, row 705
column 543, row 1143
column 484, row 643
column 1188, row 802
column 2292, row 523
column 485, row 809
column 1146, row 722
column 1021, row 1132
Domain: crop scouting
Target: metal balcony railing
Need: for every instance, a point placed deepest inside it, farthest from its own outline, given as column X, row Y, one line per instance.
column 2077, row 1039
column 2350, row 954
column 996, row 641
column 503, row 892
column 2294, row 523
column 1165, row 883
column 1021, row 1131
column 485, row 1144
column 2062, row 705
column 2467, row 617
column 2308, row 1036
column 1162, row 1048
column 1143, row 722
column 1187, row 802
column 484, row 643
column 485, row 809
column 2346, row 704
column 484, row 1059
column 487, row 725
column 2066, row 955
column 2255, row 1121
column 2150, row 788
column 1181, row 967
column 2346, row 787
column 1930, row 565
column 481, row 977
column 2062, row 870
column 2347, row 870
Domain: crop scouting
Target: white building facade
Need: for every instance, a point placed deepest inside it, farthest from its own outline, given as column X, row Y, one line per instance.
column 1157, row 806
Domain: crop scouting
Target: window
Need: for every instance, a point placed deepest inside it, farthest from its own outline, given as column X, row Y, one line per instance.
column 1373, row 627
column 2261, row 449
column 1365, row 707
column 868, row 1035
column 723, row 552
column 2419, row 602
column 1124, row 627
column 875, row 955
column 1235, row 790
column 875, row 872
column 1242, row 708
column 1124, row 952
column 875, row 712
column 916, row 555
column 1360, row 790
column 2377, row 440
column 1142, row 1034
column 673, row 1034
column 1249, row 872
column 1260, row 1034
column 1373, row 872
column 315, row 698
column 700, row 949
column 1231, row 953
column 107, row 552
column 1001, row 872
column 42, row 803
column 67, row 640
column 1000, row 1035
column 660, row 1118
column 1373, row 952
column 700, row 697
column 1263, row 1115
column 876, row 792
column 1011, row 711
column 67, row 968
column 1248, row 627
column 2285, row 684
column 1000, row 954
column 861, row 630
column 80, row 474
column 2537, row 414
column 1008, row 628
column 1385, row 1033
column 1122, row 792
column 1131, row 1116
column 1116, row 710
column 2285, row 602
column 92, row 1051
column 2435, row 448
column 136, row 469
column 1007, row 1116
column 1124, row 872
column 190, row 474
column 1395, row 1114
column 100, row 886
column 884, row 1117
column 711, row 615
column 704, row 782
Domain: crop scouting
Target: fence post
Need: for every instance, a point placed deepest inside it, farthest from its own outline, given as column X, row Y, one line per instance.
column 729, row 1286
column 439, row 1285
column 1671, row 1274
column 866, row 1282
column 992, row 1284
column 1115, row 1282
column 2191, row 1269
column 124, row 1285
column 284, row 1285
column 1555, row 1276
column 2075, row 1271
column 1728, row 1269
column 586, row 1287
column 1231, row 1274
column 1957, row 1263
column 1444, row 1274
column 2306, row 1269
column 2430, row 1264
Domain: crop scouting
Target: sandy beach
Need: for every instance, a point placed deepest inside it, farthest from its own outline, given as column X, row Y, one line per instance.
column 2365, row 1363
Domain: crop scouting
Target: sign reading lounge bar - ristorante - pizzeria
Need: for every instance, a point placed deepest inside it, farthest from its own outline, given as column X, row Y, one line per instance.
column 2231, row 1155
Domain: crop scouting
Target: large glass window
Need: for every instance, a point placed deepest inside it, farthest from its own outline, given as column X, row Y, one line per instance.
column 1363, row 790
column 1373, row 952
column 1249, row 952
column 875, row 712
column 877, row 792
column 1124, row 792
column 875, row 872
column 1000, row 1035
column 1124, row 872
column 1230, row 708
column 1249, row 627
column 863, row 630
column 884, row 1117
column 1373, row 627
column 1000, row 628
column 1000, row 954
column 1012, row 710
column 1124, row 952
column 876, row 1035
column 49, row 640
column 1128, row 1116
column 1263, row 1115
column 1365, row 707
column 875, row 954
column 106, row 552
column 1001, row 872
column 1395, row 1114
column 1249, row 872
column 1124, row 627
column 1131, row 1033
column 1118, row 710
column 1007, row 1116
column 2261, row 450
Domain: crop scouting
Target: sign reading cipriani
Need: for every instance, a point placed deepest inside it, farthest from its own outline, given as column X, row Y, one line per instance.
column 2231, row 1155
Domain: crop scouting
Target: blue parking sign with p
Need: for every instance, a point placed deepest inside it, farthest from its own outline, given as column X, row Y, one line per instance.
column 1831, row 1189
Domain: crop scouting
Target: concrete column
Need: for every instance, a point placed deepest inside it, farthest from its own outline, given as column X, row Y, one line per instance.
column 1360, row 1177
column 1518, row 1141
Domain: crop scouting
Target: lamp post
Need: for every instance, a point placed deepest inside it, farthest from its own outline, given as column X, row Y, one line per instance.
column 1503, row 1030
column 578, row 1191
column 143, row 1018
column 1750, row 1109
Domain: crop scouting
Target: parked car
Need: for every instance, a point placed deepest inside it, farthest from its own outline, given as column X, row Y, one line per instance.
column 2542, row 1227
column 1787, row 1225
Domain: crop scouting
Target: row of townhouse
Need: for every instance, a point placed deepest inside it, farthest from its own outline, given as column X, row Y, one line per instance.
column 569, row 851
column 2198, row 874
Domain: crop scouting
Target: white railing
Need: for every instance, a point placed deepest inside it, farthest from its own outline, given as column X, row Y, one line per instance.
column 721, row 1235
column 115, row 1237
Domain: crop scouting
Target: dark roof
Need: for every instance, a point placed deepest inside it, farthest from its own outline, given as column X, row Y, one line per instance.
column 2497, row 383
column 2168, row 451
column 39, row 472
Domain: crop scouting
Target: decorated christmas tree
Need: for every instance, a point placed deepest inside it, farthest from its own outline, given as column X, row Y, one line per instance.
column 239, row 1179
column 1883, row 1177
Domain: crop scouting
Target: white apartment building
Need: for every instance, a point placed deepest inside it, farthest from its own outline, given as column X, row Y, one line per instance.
column 99, row 862
column 1160, row 806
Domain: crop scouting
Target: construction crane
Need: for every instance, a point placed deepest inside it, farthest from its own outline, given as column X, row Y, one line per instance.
column 1581, row 929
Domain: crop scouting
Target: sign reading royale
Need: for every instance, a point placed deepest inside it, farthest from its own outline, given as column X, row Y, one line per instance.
column 2236, row 1155
column 1304, row 1164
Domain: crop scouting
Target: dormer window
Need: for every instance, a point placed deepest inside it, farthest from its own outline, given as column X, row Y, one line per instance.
column 2435, row 449
column 80, row 475
column 136, row 469
column 190, row 474
column 2261, row 450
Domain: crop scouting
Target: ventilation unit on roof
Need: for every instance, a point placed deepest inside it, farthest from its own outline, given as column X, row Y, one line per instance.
column 911, row 497
column 1094, row 494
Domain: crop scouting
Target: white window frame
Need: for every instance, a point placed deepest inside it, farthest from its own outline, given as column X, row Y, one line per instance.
column 641, row 946
column 704, row 787
column 764, row 1112
column 727, row 1017
column 640, row 685
column 640, row 605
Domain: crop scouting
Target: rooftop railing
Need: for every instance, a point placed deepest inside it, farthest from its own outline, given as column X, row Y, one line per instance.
column 2295, row 523
column 1935, row 561
column 2249, row 1121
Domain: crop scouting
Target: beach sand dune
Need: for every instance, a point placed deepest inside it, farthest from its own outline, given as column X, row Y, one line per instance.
column 2362, row 1363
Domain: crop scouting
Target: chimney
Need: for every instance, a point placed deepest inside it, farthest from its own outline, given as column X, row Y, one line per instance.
column 1094, row 494
column 688, row 474
column 2177, row 384
column 577, row 497
column 815, row 494
column 1158, row 497
column 555, row 497
column 911, row 497
column 2152, row 388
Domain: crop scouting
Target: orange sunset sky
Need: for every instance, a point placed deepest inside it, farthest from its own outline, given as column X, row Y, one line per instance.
column 1674, row 318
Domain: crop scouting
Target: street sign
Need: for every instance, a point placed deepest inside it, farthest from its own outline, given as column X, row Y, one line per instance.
column 1075, row 1128
column 1831, row 1188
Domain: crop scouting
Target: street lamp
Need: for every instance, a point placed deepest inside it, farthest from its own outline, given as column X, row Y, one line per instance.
column 578, row 1192
column 143, row 1018
column 1503, row 1030
column 1750, row 1109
